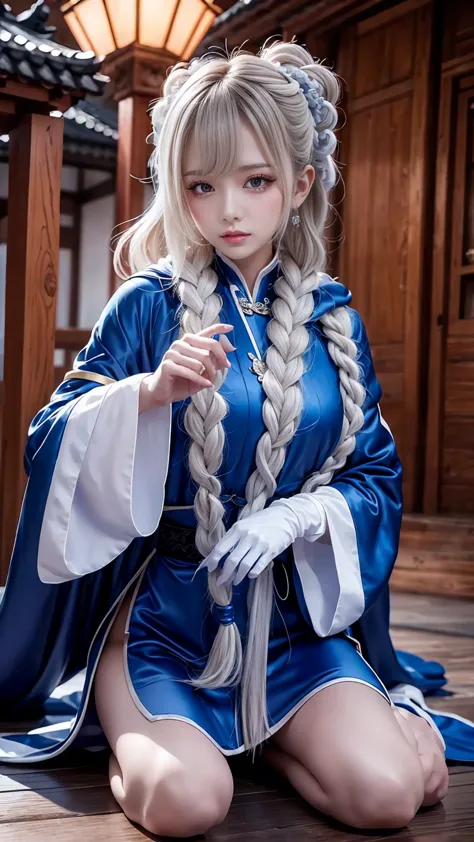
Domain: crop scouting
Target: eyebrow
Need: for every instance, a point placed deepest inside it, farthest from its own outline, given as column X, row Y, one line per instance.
column 243, row 168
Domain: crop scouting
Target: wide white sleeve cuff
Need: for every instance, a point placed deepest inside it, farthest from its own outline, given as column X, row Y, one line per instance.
column 108, row 483
column 330, row 572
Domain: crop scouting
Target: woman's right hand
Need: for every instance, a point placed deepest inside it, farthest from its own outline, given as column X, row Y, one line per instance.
column 177, row 377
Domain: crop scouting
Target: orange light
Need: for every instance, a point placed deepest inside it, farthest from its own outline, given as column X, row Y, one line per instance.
column 106, row 25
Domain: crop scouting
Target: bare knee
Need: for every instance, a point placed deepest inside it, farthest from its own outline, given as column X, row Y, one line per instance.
column 174, row 802
column 388, row 798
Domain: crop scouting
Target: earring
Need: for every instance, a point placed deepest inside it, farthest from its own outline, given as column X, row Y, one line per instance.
column 295, row 219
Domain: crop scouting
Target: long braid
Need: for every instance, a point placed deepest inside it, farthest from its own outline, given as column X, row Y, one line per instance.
column 281, row 412
column 203, row 423
column 287, row 123
column 282, row 408
column 343, row 351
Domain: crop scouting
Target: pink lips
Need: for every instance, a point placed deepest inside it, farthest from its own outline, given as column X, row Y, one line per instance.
column 235, row 238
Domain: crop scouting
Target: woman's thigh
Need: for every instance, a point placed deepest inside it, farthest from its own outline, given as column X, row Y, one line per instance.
column 166, row 775
column 346, row 753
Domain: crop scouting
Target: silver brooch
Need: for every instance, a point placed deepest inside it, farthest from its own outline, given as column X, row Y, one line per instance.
column 261, row 307
column 258, row 367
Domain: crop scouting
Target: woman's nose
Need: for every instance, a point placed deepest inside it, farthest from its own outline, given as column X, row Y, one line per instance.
column 230, row 206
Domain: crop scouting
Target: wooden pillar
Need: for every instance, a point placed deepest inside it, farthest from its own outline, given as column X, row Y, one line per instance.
column 134, row 126
column 137, row 74
column 132, row 156
column 30, row 306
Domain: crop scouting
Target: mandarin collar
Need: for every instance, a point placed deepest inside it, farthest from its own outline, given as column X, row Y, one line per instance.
column 230, row 272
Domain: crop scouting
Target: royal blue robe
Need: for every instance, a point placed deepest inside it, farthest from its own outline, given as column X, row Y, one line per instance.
column 64, row 586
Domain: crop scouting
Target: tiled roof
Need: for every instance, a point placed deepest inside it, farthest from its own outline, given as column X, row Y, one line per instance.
column 89, row 131
column 28, row 53
column 232, row 12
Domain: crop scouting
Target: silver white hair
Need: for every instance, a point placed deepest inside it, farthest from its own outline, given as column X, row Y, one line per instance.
column 207, row 98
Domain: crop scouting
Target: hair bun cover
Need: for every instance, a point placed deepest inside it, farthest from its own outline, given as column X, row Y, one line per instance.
column 322, row 111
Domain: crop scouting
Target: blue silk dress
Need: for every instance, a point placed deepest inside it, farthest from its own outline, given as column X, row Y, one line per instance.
column 57, row 627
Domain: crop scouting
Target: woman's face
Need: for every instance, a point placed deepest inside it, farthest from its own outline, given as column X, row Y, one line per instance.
column 249, row 199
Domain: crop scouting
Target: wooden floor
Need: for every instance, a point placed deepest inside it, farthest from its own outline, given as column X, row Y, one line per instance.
column 70, row 799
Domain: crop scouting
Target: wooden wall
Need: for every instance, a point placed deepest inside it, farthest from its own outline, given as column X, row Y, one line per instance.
column 386, row 61
column 449, row 474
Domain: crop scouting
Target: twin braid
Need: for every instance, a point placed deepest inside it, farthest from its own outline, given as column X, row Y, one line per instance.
column 343, row 351
column 282, row 408
column 203, row 423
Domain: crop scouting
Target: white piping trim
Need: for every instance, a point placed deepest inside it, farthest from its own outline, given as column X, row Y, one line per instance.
column 266, row 269
column 274, row 728
column 36, row 757
column 233, row 287
column 383, row 421
column 359, row 650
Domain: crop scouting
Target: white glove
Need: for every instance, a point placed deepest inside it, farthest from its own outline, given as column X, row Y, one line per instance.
column 253, row 543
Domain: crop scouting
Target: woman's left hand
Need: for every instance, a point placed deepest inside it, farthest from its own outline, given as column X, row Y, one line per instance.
column 252, row 544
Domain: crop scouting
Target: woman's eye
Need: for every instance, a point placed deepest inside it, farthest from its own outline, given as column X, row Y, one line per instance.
column 198, row 184
column 261, row 179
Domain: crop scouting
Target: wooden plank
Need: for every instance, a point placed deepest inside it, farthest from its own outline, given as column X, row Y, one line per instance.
column 458, row 432
column 458, row 204
column 31, row 285
column 56, row 803
column 438, row 312
column 388, row 166
column 362, row 103
column 424, row 612
column 425, row 573
column 458, row 466
column 456, row 655
column 71, row 338
column 98, row 828
column 68, row 201
column 389, row 16
column 40, row 781
column 97, row 191
column 456, row 497
column 459, row 399
column 264, row 820
column 419, row 196
column 436, row 555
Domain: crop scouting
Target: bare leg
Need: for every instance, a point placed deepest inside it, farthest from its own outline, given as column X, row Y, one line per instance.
column 167, row 776
column 347, row 755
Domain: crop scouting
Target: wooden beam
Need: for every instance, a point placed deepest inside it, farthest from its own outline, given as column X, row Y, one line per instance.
column 267, row 16
column 30, row 311
column 8, row 115
column 71, row 338
column 97, row 191
column 420, row 198
column 68, row 201
column 88, row 161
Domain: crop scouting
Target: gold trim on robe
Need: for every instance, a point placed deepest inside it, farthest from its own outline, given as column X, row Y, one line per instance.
column 89, row 375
